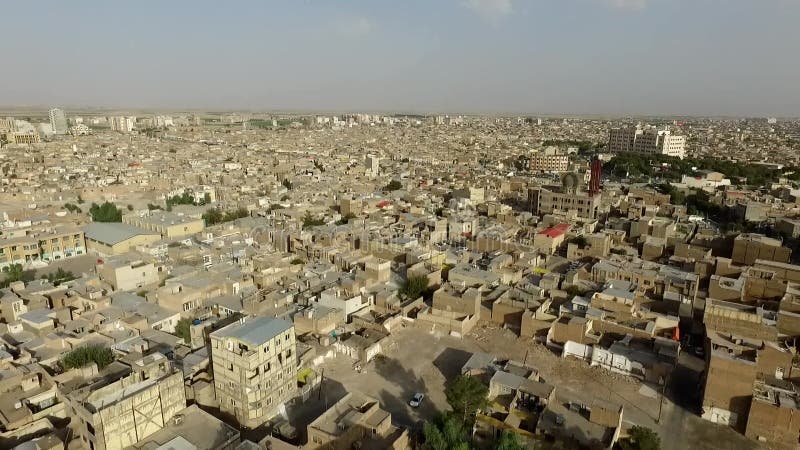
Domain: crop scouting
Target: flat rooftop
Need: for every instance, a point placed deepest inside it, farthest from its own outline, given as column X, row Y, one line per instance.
column 255, row 330
column 194, row 427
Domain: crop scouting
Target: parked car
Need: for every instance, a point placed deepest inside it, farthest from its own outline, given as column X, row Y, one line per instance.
column 416, row 399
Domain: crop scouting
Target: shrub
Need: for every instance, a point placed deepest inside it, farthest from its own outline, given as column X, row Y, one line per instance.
column 83, row 356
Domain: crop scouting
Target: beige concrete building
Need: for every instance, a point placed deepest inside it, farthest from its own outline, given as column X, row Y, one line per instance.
column 59, row 244
column 774, row 416
column 255, row 368
column 125, row 272
column 21, row 250
column 116, row 238
column 42, row 246
column 117, row 414
column 548, row 162
column 167, row 224
column 748, row 247
column 356, row 421
column 548, row 200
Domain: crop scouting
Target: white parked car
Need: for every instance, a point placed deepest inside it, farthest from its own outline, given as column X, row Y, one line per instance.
column 416, row 399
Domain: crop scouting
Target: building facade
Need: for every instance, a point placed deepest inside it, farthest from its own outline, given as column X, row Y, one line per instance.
column 646, row 141
column 255, row 368
column 58, row 121
column 548, row 162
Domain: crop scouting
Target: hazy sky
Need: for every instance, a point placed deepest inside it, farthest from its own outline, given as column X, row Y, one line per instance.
column 720, row 57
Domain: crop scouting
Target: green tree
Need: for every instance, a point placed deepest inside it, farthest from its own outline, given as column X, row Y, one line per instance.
column 213, row 216
column 13, row 273
column 641, row 438
column 414, row 287
column 445, row 433
column 509, row 441
column 287, row 184
column 311, row 221
column 235, row 214
column 393, row 186
column 107, row 212
column 83, row 356
column 60, row 276
column 182, row 330
column 466, row 395
column 130, row 207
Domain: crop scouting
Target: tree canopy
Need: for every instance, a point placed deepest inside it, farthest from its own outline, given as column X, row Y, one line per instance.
column 60, row 276
column 671, row 168
column 466, row 395
column 107, row 212
column 213, row 216
column 641, row 438
column 182, row 330
column 83, row 356
column 414, row 287
column 509, row 441
column 311, row 221
column 393, row 186
column 15, row 272
column 446, row 433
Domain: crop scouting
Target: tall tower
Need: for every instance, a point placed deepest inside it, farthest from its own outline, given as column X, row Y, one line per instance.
column 58, row 121
column 595, row 172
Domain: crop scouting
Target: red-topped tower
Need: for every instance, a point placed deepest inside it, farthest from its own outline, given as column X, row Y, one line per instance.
column 595, row 172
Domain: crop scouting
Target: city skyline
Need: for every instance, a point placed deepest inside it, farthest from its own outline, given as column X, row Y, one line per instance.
column 579, row 57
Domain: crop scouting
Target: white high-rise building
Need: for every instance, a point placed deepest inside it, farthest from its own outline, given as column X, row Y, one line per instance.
column 373, row 164
column 58, row 121
column 648, row 141
column 122, row 123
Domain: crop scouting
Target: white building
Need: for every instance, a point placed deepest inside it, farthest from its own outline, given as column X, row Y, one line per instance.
column 373, row 165
column 122, row 124
column 646, row 141
column 80, row 130
column 705, row 179
column 549, row 161
column 58, row 121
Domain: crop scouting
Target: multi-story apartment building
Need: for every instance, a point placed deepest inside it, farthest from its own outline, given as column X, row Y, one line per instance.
column 122, row 124
column 59, row 244
column 21, row 250
column 117, row 413
column 548, row 162
column 547, row 200
column 58, row 121
column 622, row 139
column 41, row 245
column 22, row 137
column 110, row 414
column 255, row 368
column 646, row 141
